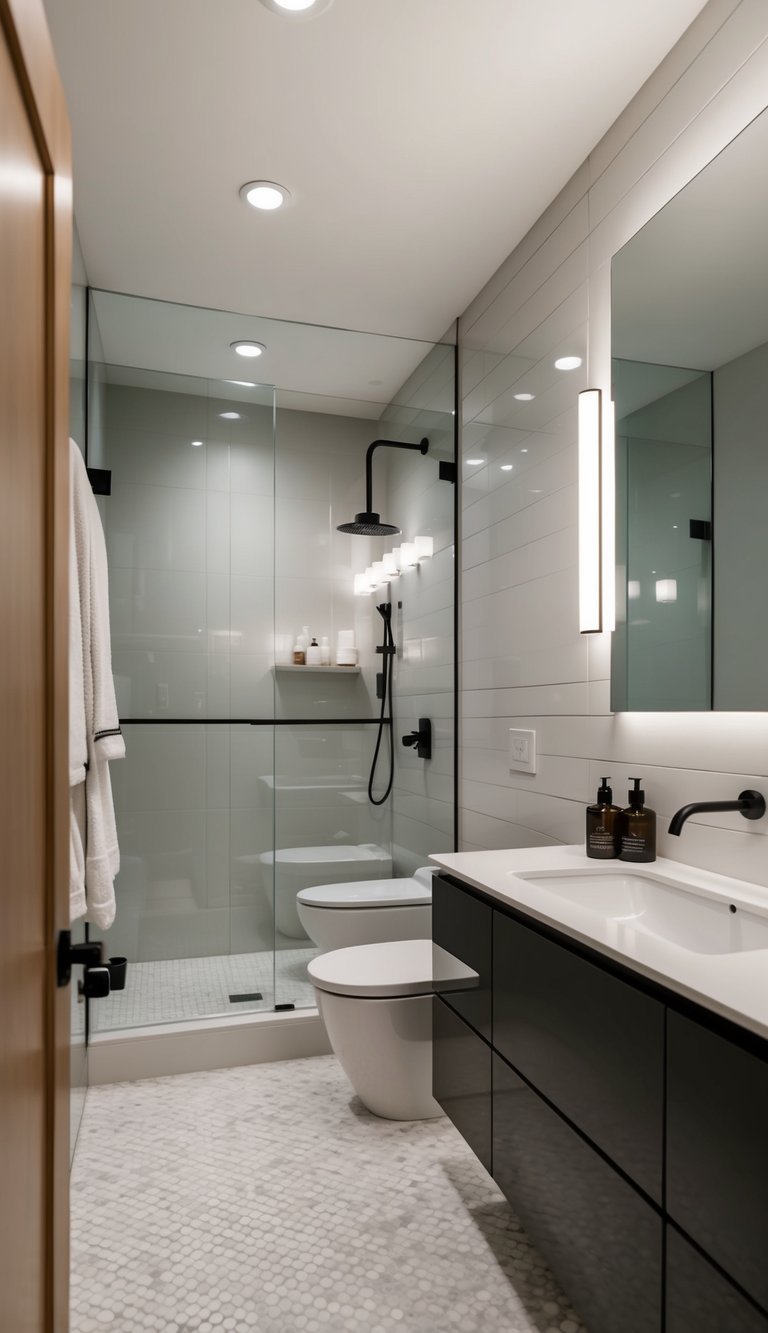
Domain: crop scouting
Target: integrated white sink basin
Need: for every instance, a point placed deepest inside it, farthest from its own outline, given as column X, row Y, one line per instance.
column 629, row 904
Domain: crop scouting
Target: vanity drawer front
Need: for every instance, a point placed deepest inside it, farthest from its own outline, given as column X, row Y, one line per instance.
column 602, row 1240
column 588, row 1041
column 461, row 1079
column 462, row 924
column 717, row 1149
column 700, row 1298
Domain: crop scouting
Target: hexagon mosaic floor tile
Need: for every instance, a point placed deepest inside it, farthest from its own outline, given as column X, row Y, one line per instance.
column 176, row 989
column 267, row 1198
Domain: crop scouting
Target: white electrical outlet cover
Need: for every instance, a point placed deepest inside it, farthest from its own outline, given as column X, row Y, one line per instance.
column 522, row 751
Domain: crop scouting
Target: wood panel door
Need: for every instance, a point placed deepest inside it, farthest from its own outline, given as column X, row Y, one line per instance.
column 35, row 246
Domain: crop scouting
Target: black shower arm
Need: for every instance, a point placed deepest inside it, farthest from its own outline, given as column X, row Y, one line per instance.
column 389, row 444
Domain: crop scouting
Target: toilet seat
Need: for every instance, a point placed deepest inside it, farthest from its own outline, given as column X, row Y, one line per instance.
column 369, row 893
column 399, row 968
column 376, row 971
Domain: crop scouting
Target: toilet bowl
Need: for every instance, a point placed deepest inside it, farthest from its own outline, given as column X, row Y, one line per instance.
column 295, row 868
column 376, row 1002
column 340, row 916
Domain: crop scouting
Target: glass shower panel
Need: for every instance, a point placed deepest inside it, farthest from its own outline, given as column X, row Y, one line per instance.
column 422, row 502
column 189, row 537
column 251, row 839
column 246, row 776
column 189, row 541
column 194, row 912
column 326, row 832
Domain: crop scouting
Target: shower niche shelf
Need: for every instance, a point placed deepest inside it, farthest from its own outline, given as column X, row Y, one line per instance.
column 328, row 670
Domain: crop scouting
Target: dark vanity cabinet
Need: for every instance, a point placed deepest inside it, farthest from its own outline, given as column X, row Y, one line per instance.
column 627, row 1127
column 462, row 925
column 717, row 1146
column 699, row 1299
column 602, row 1239
column 588, row 1042
column 462, row 1079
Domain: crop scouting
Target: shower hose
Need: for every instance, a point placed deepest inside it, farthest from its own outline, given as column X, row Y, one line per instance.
column 387, row 651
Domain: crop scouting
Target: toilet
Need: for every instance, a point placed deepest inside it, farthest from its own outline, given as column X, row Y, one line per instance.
column 339, row 916
column 376, row 1002
column 296, row 868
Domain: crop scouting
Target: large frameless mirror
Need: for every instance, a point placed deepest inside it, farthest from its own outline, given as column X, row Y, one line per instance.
column 690, row 383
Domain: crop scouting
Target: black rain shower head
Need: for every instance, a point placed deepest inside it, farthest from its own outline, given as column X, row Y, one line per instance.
column 368, row 523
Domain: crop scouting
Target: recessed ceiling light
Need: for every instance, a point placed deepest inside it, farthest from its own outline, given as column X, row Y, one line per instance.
column 507, row 467
column 297, row 7
column 475, row 462
column 229, row 416
column 525, row 397
column 523, row 451
column 197, row 444
column 567, row 363
column 243, row 347
column 265, row 195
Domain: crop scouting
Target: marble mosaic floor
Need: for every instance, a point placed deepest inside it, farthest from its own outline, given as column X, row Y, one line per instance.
column 178, row 989
column 266, row 1198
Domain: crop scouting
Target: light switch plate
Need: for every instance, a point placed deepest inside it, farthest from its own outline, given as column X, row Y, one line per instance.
column 522, row 751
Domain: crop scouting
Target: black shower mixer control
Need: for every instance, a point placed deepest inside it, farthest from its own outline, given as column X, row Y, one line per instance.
column 421, row 739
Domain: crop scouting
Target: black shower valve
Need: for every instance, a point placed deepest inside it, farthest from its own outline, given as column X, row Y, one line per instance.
column 421, row 739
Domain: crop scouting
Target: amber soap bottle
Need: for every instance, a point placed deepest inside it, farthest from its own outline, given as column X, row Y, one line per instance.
column 603, row 825
column 638, row 828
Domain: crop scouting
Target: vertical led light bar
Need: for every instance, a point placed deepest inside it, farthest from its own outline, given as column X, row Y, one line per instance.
column 608, row 516
column 590, row 496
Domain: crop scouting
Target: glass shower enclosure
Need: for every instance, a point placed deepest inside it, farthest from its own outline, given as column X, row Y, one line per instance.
column 246, row 775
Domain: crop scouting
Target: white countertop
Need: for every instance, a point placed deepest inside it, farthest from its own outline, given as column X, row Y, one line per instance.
column 732, row 984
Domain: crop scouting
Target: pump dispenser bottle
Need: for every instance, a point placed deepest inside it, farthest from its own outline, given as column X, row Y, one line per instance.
column 603, row 835
column 638, row 828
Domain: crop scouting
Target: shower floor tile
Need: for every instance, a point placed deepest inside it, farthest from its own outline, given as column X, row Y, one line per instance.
column 179, row 989
column 267, row 1198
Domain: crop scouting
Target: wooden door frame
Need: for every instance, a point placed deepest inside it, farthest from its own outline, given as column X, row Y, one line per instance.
column 25, row 28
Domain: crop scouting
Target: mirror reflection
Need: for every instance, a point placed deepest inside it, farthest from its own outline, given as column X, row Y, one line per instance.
column 690, row 384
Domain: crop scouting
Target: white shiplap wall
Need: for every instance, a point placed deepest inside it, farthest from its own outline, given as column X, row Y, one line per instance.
column 523, row 661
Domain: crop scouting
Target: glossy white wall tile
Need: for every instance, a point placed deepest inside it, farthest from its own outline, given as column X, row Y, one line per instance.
column 523, row 661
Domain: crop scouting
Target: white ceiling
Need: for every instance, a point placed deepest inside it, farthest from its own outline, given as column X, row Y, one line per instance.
column 420, row 139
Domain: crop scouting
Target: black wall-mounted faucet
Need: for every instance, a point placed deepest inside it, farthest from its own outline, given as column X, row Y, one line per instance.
column 751, row 804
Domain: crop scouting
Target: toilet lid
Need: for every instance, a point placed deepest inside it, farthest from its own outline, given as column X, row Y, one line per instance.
column 400, row 967
column 368, row 893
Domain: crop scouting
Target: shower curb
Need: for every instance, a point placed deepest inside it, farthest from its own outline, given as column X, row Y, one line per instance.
column 188, row 1048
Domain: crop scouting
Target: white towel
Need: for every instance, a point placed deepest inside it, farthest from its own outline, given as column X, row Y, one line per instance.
column 95, row 735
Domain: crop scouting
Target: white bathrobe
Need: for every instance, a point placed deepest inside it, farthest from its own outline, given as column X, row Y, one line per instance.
column 94, row 728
